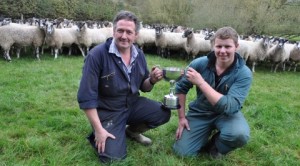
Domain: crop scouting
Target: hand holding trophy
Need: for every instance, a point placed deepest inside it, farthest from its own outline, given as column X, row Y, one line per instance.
column 172, row 74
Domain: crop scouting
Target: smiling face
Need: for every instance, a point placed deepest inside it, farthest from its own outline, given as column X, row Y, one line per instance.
column 225, row 43
column 225, row 50
column 124, row 34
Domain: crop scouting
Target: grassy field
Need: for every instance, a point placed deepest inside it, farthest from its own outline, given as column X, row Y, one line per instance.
column 41, row 123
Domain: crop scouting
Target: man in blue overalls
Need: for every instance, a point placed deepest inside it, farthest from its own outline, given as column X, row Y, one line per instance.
column 113, row 74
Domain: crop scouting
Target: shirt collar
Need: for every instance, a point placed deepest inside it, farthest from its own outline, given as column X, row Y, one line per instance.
column 113, row 49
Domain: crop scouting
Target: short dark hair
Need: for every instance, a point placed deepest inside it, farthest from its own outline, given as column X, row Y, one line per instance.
column 226, row 33
column 129, row 16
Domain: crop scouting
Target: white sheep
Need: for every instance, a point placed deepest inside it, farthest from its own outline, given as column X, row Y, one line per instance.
column 107, row 24
column 253, row 51
column 56, row 38
column 166, row 41
column 195, row 44
column 91, row 37
column 279, row 54
column 177, row 29
column 205, row 33
column 146, row 37
column 294, row 58
column 20, row 35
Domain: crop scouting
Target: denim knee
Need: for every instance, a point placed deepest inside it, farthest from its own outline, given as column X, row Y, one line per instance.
column 164, row 117
column 230, row 142
column 183, row 150
column 241, row 140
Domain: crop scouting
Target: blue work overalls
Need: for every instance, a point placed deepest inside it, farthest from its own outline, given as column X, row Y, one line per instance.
column 106, row 86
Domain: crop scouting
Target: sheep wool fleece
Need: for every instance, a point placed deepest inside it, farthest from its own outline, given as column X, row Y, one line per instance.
column 105, row 85
column 225, row 115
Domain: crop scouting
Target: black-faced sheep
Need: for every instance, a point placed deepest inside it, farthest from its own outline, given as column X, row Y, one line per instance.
column 195, row 44
column 279, row 54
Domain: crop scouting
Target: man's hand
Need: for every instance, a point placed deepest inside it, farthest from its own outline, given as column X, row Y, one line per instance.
column 100, row 139
column 156, row 74
column 194, row 77
column 183, row 123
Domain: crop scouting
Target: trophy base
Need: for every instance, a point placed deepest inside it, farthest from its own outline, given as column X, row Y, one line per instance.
column 171, row 102
column 170, row 107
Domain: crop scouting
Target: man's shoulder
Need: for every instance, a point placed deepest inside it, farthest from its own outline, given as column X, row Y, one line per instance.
column 99, row 49
column 200, row 61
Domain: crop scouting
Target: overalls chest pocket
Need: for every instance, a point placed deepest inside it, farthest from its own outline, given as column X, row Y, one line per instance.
column 108, row 83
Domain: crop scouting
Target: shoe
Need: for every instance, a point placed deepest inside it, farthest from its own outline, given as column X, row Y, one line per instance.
column 138, row 137
column 211, row 149
column 214, row 153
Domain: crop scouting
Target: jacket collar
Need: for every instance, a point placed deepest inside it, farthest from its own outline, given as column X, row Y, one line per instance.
column 238, row 62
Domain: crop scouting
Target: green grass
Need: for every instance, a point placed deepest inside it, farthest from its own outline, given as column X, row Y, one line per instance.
column 41, row 123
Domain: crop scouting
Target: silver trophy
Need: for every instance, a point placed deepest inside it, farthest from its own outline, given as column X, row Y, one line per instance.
column 171, row 74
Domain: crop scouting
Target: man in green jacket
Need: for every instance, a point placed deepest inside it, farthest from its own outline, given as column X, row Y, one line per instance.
column 222, row 82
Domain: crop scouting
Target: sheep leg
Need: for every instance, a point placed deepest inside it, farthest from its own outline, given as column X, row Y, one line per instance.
column 55, row 53
column 283, row 64
column 272, row 67
column 290, row 66
column 18, row 52
column 163, row 52
column 70, row 50
column 159, row 52
column 295, row 67
column 87, row 50
column 81, row 50
column 6, row 55
column 42, row 50
column 37, row 53
column 276, row 66
column 253, row 66
column 25, row 49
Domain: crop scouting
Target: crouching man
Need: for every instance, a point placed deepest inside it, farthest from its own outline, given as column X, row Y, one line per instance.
column 112, row 75
column 222, row 83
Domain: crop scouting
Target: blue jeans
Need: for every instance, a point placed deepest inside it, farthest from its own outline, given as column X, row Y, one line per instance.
column 234, row 133
column 142, row 111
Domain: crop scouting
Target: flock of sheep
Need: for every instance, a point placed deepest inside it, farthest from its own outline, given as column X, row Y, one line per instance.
column 58, row 34
column 276, row 51
column 42, row 33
